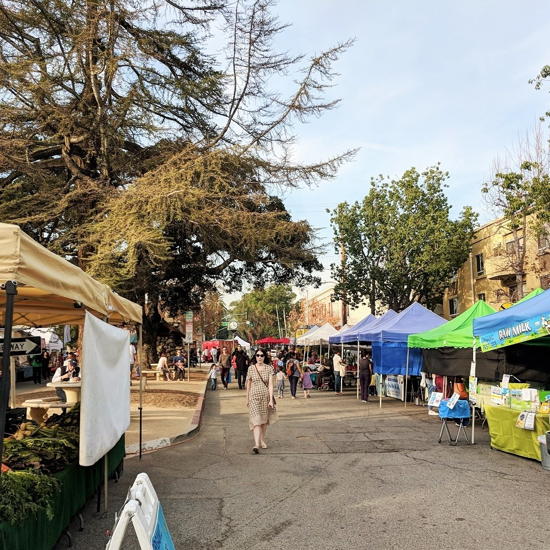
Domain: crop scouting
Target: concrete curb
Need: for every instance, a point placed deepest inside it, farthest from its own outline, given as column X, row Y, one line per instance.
column 193, row 429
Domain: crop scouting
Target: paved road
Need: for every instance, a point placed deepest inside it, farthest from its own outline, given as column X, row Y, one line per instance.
column 338, row 475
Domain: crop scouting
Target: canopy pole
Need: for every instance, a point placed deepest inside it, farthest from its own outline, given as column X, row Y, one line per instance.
column 473, row 372
column 357, row 381
column 380, row 386
column 406, row 375
column 10, row 288
column 140, row 408
column 13, row 375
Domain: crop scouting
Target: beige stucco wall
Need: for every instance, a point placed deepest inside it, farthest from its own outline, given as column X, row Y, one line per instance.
column 490, row 240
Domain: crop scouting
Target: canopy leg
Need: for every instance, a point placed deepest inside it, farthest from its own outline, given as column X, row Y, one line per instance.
column 10, row 289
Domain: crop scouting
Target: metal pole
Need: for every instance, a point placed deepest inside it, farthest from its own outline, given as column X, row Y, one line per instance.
column 284, row 323
column 13, row 396
column 474, row 373
column 278, row 322
column 188, row 363
column 106, row 480
column 357, row 375
column 406, row 375
column 10, row 289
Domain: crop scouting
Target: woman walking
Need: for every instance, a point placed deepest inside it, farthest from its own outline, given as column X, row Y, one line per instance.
column 294, row 372
column 259, row 399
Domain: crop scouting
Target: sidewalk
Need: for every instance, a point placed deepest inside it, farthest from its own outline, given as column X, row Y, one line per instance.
column 171, row 410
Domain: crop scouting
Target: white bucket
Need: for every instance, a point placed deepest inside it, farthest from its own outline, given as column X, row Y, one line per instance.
column 544, row 456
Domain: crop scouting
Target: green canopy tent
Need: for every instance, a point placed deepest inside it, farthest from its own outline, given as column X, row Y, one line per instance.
column 457, row 333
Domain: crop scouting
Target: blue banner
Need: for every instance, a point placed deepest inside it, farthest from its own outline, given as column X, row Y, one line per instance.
column 529, row 329
column 162, row 540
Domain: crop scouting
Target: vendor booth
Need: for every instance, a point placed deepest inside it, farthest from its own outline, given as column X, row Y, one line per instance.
column 390, row 353
column 41, row 289
column 518, row 412
column 350, row 335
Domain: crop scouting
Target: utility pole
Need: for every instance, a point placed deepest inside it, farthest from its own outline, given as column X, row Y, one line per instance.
column 344, row 311
column 278, row 322
column 284, row 321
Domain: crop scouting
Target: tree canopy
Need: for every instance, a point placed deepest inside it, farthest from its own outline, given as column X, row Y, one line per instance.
column 264, row 312
column 400, row 244
column 128, row 148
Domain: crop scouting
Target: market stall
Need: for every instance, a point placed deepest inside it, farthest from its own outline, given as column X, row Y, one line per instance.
column 390, row 354
column 511, row 410
column 42, row 289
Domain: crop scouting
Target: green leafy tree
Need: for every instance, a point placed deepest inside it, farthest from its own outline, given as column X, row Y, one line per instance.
column 154, row 166
column 400, row 243
column 264, row 312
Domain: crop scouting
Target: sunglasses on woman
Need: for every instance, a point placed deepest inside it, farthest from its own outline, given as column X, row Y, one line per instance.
column 260, row 355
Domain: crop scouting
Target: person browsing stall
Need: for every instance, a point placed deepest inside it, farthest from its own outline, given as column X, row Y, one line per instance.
column 339, row 372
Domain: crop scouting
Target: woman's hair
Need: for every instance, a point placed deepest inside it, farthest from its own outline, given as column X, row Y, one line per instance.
column 266, row 356
column 306, row 369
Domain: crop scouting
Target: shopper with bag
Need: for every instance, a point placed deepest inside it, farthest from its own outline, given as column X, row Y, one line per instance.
column 260, row 399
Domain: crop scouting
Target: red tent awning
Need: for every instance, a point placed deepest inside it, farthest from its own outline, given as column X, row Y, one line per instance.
column 271, row 340
column 209, row 344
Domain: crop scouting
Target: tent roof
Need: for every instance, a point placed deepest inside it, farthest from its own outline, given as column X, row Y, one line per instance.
column 523, row 321
column 241, row 342
column 457, row 333
column 321, row 335
column 301, row 340
column 367, row 334
column 412, row 319
column 51, row 290
column 350, row 334
column 334, row 338
column 272, row 340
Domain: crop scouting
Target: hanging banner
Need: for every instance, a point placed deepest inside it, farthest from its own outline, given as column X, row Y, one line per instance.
column 529, row 329
column 395, row 386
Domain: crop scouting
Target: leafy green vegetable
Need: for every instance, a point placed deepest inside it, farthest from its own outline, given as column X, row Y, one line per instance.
column 24, row 494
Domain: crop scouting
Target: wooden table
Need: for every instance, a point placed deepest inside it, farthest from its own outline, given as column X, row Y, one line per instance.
column 71, row 389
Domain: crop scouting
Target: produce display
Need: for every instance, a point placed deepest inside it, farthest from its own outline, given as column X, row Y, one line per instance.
column 23, row 494
column 30, row 455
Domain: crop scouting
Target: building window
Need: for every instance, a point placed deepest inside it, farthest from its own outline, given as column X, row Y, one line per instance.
column 453, row 306
column 544, row 239
column 481, row 296
column 511, row 247
column 480, row 267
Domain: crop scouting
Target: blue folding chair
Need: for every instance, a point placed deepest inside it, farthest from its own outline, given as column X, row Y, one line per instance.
column 459, row 414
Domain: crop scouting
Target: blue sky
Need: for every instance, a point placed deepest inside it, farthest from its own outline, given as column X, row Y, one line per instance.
column 425, row 82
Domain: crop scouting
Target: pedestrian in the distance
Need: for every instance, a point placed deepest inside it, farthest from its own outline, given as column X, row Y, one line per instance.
column 213, row 375
column 280, row 376
column 365, row 373
column 294, row 373
column 306, row 382
column 241, row 363
column 259, row 399
column 225, row 364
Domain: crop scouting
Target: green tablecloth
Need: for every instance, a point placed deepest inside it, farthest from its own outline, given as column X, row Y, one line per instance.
column 506, row 437
column 78, row 484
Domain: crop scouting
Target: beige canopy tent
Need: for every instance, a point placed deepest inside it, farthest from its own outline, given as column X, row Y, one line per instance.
column 40, row 288
column 51, row 290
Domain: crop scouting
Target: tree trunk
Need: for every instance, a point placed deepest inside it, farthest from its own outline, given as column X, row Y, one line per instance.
column 151, row 324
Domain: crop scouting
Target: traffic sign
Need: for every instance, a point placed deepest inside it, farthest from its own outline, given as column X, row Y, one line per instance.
column 30, row 345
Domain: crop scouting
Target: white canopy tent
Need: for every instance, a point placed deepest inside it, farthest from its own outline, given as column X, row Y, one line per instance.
column 321, row 335
column 51, row 340
column 241, row 342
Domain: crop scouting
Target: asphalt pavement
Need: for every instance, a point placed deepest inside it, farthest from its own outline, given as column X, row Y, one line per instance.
column 338, row 474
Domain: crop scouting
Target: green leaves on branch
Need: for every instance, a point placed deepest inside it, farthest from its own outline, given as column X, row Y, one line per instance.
column 399, row 243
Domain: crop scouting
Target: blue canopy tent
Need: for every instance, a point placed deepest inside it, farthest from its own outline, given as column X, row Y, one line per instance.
column 350, row 334
column 524, row 321
column 390, row 352
column 367, row 334
column 527, row 321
